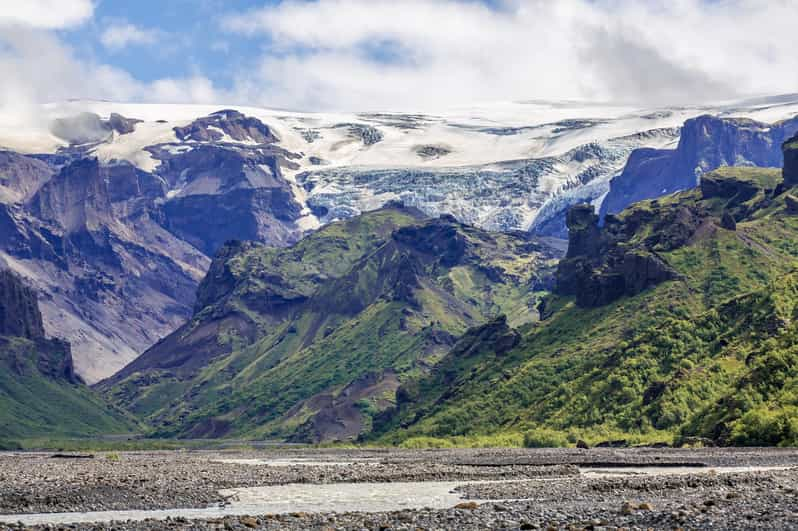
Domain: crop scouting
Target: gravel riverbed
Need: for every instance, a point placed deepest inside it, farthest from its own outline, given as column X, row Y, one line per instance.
column 505, row 489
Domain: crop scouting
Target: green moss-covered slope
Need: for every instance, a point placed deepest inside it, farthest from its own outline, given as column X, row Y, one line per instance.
column 40, row 396
column 310, row 343
column 36, row 402
column 709, row 349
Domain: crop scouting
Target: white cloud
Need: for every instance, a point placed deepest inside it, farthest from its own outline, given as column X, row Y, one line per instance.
column 118, row 36
column 327, row 53
column 46, row 14
column 37, row 67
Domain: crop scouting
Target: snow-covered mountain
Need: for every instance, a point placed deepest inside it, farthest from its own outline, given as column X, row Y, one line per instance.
column 113, row 210
column 502, row 166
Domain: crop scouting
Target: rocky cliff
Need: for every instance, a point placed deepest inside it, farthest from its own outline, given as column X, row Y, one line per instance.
column 624, row 256
column 706, row 143
column 19, row 308
column 791, row 161
column 117, row 250
column 117, row 245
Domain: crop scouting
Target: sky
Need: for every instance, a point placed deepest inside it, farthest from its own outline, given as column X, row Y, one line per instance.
column 395, row 54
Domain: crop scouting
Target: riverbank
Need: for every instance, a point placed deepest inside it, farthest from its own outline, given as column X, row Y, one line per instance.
column 395, row 489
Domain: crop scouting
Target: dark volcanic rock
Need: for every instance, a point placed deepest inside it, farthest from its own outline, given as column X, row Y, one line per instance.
column 583, row 231
column 439, row 238
column 232, row 123
column 496, row 336
column 599, row 269
column 19, row 308
column 122, row 125
column 719, row 186
column 706, row 143
column 125, row 182
column 219, row 281
column 20, row 318
column 207, row 221
column 791, row 161
column 728, row 222
column 369, row 135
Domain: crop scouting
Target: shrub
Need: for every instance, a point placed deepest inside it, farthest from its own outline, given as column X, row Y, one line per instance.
column 765, row 427
column 545, row 438
column 420, row 443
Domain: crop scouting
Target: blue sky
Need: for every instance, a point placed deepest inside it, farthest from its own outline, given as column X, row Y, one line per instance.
column 389, row 54
column 190, row 39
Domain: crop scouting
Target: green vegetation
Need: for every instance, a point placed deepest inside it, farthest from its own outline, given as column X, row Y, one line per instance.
column 714, row 353
column 544, row 438
column 33, row 403
column 311, row 342
column 390, row 329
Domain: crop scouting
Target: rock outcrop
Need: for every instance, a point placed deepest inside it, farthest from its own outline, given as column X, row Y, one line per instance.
column 19, row 308
column 790, row 170
column 706, row 143
column 599, row 267
column 21, row 176
column 76, row 199
column 227, row 122
column 20, row 318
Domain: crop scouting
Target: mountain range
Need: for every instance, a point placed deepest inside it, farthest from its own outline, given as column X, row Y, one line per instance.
column 337, row 277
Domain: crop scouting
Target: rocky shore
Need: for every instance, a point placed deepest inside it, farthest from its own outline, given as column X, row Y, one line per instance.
column 501, row 489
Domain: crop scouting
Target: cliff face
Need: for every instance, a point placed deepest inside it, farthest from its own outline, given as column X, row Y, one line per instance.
column 20, row 176
column 19, row 309
column 20, row 318
column 600, row 267
column 629, row 253
column 706, row 143
column 76, row 199
column 791, row 161
column 118, row 250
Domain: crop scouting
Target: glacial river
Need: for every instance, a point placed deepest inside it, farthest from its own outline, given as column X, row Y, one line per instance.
column 336, row 497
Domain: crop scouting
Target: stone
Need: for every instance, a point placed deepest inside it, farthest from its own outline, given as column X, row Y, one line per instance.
column 627, row 508
column 468, row 506
column 250, row 522
column 706, row 143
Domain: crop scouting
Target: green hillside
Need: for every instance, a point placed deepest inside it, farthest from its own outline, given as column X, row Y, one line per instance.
column 310, row 343
column 35, row 403
column 688, row 329
column 40, row 395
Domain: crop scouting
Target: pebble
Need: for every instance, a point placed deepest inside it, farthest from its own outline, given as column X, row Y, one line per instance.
column 541, row 489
